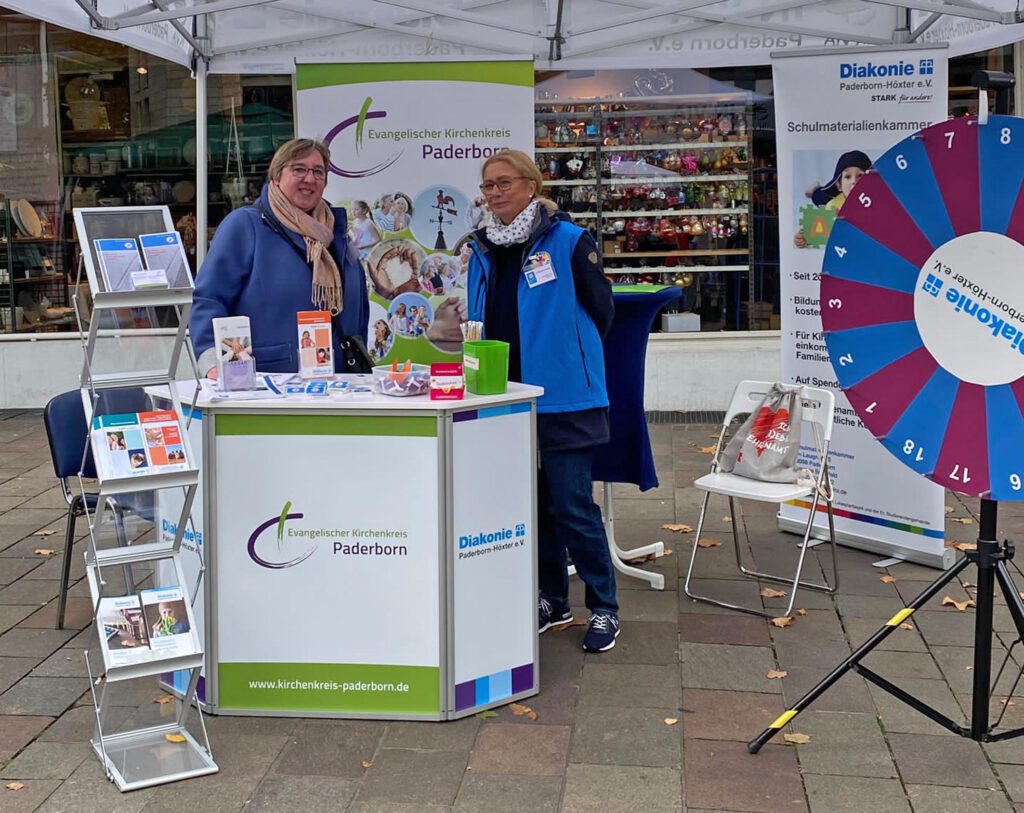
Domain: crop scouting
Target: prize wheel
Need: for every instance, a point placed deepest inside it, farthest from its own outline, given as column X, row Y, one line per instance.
column 922, row 304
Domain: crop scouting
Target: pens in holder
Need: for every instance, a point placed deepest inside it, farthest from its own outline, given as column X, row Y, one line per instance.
column 472, row 331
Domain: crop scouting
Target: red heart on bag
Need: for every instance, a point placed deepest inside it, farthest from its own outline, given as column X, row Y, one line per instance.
column 766, row 424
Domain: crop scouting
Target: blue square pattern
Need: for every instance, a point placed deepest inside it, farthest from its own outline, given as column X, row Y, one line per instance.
column 493, row 687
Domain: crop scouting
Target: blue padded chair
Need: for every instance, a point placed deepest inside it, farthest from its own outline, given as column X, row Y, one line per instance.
column 68, row 434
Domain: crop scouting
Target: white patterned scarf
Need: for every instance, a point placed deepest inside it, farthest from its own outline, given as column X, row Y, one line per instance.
column 518, row 231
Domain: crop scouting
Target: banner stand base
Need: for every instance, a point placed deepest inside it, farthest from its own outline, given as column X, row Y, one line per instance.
column 866, row 543
column 884, row 563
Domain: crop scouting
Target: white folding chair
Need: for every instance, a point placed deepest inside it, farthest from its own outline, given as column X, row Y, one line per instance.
column 818, row 407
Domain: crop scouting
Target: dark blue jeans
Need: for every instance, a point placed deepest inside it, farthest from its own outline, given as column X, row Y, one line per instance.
column 570, row 520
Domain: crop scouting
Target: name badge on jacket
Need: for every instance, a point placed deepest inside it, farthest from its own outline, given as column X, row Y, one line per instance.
column 538, row 269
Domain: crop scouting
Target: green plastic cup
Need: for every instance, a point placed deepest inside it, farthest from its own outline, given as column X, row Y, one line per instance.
column 485, row 365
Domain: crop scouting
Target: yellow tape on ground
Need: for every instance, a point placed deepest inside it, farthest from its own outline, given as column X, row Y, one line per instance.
column 785, row 718
column 900, row 617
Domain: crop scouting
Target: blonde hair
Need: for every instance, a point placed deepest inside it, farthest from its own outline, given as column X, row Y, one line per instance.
column 526, row 167
column 295, row 150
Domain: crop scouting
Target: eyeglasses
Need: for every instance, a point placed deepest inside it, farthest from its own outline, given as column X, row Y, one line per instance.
column 299, row 172
column 502, row 185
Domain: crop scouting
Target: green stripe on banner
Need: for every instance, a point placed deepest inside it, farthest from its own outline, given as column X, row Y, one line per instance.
column 398, row 426
column 512, row 72
column 329, row 687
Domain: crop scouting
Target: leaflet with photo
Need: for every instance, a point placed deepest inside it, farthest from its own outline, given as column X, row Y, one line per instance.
column 236, row 367
column 315, row 346
column 135, row 444
column 169, row 622
column 122, row 631
column 119, row 259
column 147, row 626
column 165, row 251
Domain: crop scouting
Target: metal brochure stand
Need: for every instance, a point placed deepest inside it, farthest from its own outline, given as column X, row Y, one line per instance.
column 164, row 752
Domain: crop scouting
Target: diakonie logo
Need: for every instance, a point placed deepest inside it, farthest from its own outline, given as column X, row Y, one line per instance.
column 359, row 121
column 279, row 521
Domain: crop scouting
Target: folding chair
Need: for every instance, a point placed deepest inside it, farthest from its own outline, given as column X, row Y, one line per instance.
column 818, row 407
column 67, row 433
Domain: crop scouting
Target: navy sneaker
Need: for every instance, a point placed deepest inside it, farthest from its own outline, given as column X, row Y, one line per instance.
column 549, row 615
column 602, row 632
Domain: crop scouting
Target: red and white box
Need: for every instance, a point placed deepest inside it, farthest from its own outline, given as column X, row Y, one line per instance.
column 447, row 382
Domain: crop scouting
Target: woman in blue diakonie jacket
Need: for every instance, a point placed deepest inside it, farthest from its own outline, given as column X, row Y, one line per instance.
column 288, row 252
column 535, row 281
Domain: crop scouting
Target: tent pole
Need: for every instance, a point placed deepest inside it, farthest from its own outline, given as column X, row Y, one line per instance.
column 202, row 149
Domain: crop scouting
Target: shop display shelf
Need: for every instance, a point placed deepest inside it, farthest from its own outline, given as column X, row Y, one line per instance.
column 736, row 210
column 639, row 180
column 674, row 145
column 672, row 269
column 693, row 252
column 563, row 148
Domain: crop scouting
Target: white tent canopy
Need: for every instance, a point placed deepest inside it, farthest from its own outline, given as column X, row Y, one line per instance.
column 268, row 36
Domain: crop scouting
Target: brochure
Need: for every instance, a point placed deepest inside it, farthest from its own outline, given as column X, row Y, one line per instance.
column 236, row 367
column 135, row 444
column 123, row 631
column 165, row 251
column 147, row 626
column 119, row 259
column 315, row 345
column 168, row 622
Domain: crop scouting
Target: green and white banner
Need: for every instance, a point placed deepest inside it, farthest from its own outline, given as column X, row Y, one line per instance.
column 407, row 141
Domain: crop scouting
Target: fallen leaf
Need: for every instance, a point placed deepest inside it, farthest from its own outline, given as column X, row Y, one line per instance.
column 963, row 547
column 887, row 579
column 769, row 592
column 650, row 557
column 14, row 785
column 707, row 542
column 487, row 715
column 801, row 611
column 679, row 527
column 968, row 585
column 775, row 674
column 948, row 601
column 519, row 710
column 962, row 520
column 1008, row 702
column 174, row 737
column 576, row 622
column 671, row 720
column 668, row 552
column 707, row 449
column 782, row 621
column 949, row 509
column 366, row 763
column 726, row 519
column 44, row 552
column 797, row 739
column 44, row 532
column 906, row 626
column 164, row 698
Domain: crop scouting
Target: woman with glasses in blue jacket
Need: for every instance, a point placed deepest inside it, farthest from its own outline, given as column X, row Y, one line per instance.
column 288, row 252
column 536, row 282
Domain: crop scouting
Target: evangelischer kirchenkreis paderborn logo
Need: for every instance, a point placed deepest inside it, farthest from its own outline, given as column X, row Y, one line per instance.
column 279, row 521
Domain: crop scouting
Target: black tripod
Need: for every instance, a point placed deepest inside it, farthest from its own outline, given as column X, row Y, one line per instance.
column 991, row 559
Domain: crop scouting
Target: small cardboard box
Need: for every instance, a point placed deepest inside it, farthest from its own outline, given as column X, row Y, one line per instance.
column 446, row 382
column 680, row 322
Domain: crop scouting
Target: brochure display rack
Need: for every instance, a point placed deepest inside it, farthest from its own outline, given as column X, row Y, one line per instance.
column 142, row 632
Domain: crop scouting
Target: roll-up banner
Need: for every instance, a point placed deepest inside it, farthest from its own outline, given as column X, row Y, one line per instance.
column 835, row 114
column 407, row 142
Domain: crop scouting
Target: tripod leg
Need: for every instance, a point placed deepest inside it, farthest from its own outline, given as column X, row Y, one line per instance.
column 1012, row 595
column 929, row 592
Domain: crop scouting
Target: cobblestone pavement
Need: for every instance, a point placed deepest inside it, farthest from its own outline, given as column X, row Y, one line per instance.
column 600, row 741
